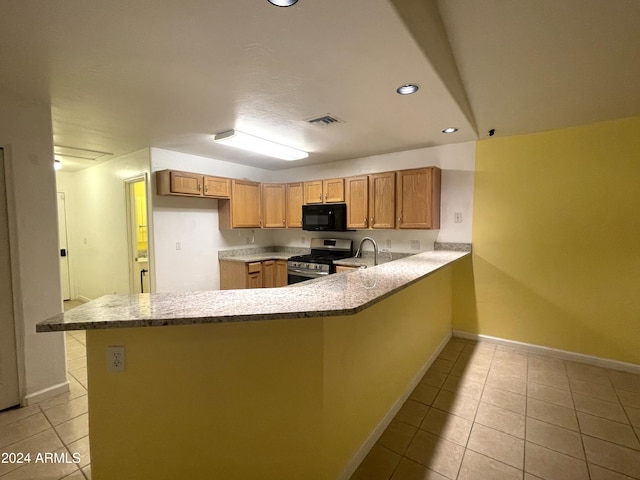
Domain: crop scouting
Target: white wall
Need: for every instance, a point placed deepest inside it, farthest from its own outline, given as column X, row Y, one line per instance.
column 26, row 136
column 194, row 223
column 97, row 224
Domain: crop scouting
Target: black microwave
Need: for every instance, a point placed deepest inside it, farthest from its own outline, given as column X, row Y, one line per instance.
column 328, row 217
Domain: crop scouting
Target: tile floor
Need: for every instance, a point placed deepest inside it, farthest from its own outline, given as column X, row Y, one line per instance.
column 481, row 412
column 55, row 425
column 489, row 412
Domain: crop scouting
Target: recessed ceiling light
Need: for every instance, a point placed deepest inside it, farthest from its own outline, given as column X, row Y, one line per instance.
column 450, row 130
column 407, row 89
column 237, row 139
column 282, row 3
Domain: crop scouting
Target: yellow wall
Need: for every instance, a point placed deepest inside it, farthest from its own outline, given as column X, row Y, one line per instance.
column 141, row 214
column 556, row 236
column 285, row 399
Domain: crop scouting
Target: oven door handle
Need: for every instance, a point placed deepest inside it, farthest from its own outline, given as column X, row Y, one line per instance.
column 306, row 273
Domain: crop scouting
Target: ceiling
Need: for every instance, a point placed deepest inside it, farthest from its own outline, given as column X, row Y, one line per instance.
column 121, row 76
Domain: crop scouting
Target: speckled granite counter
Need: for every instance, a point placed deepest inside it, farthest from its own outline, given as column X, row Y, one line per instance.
column 367, row 258
column 342, row 294
column 259, row 254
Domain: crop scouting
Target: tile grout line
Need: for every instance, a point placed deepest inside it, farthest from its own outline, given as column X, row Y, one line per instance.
column 575, row 414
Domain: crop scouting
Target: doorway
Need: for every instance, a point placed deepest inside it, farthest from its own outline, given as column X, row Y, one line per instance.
column 137, row 221
column 9, row 388
column 64, row 248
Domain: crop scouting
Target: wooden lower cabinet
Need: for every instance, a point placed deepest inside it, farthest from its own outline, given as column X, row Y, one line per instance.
column 269, row 274
column 344, row 268
column 282, row 277
column 265, row 274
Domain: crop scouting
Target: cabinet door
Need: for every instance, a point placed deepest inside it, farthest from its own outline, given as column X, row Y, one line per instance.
column 281, row 273
column 382, row 200
column 245, row 204
column 274, row 205
column 294, row 205
column 356, row 194
column 269, row 273
column 418, row 198
column 313, row 192
column 333, row 190
column 217, row 187
column 254, row 275
column 186, row 183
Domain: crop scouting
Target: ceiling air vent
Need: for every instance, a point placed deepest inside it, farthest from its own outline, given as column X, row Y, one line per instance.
column 324, row 120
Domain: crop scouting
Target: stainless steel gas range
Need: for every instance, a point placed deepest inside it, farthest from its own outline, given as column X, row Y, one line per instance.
column 319, row 262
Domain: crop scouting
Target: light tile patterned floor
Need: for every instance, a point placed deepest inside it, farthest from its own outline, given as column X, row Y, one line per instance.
column 481, row 412
column 56, row 425
column 487, row 412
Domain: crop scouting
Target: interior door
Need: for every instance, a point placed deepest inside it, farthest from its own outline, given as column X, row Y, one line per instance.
column 64, row 248
column 9, row 391
column 136, row 190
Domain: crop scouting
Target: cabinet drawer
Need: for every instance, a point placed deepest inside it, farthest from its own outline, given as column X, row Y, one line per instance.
column 254, row 267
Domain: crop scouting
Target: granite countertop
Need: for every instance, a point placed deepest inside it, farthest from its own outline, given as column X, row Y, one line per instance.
column 341, row 294
column 366, row 260
column 260, row 254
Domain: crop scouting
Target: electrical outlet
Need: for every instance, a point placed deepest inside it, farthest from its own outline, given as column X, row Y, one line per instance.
column 303, row 240
column 457, row 217
column 388, row 243
column 178, row 245
column 115, row 359
column 415, row 244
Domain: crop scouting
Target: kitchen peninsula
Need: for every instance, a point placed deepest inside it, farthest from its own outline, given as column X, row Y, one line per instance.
column 278, row 383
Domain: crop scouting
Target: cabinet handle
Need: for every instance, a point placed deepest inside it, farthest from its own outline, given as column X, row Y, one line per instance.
column 365, row 222
column 325, row 197
column 199, row 187
column 371, row 221
column 283, row 221
column 320, row 197
column 206, row 189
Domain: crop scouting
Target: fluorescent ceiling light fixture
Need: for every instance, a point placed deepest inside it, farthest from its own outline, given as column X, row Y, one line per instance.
column 407, row 89
column 237, row 139
column 57, row 164
column 282, row 3
column 450, row 130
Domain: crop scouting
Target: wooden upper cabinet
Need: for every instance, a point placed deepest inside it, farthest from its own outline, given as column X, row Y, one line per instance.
column 217, row 187
column 324, row 191
column 418, row 198
column 371, row 201
column 313, row 192
column 243, row 210
column 173, row 182
column 356, row 191
column 294, row 205
column 382, row 200
column 274, row 205
column 333, row 190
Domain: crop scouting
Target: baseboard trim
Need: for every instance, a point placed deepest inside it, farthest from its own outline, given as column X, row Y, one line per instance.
column 375, row 434
column 46, row 393
column 564, row 354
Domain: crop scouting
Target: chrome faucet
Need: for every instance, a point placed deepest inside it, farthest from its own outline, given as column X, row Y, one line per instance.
column 375, row 249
